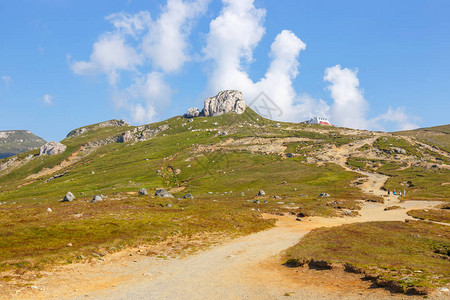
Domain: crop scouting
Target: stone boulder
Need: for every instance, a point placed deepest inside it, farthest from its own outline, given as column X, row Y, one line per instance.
column 97, row 198
column 163, row 193
column 261, row 193
column 324, row 195
column 143, row 192
column 68, row 197
column 52, row 148
column 224, row 102
column 188, row 196
column 192, row 113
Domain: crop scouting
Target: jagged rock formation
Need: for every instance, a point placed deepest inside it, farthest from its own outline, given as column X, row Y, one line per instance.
column 14, row 142
column 141, row 133
column 83, row 130
column 192, row 113
column 52, row 148
column 224, row 102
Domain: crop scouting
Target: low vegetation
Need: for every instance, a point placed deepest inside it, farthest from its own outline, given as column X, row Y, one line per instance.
column 408, row 257
column 437, row 215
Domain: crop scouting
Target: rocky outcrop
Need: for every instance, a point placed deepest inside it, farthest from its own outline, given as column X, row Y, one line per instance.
column 224, row 102
column 192, row 113
column 52, row 148
column 141, row 133
column 83, row 130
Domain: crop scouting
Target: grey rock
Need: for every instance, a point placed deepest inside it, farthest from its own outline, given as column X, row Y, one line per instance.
column 256, row 201
column 277, row 197
column 192, row 113
column 324, row 195
column 163, row 193
column 52, row 148
column 97, row 198
column 168, row 205
column 143, row 192
column 224, row 102
column 68, row 197
column 261, row 193
column 188, row 196
column 242, row 194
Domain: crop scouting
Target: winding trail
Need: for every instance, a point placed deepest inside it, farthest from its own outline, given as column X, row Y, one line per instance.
column 243, row 268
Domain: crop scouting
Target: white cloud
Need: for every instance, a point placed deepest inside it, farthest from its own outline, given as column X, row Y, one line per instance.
column 6, row 79
column 110, row 54
column 148, row 50
column 399, row 117
column 128, row 24
column 349, row 108
column 166, row 43
column 232, row 38
column 47, row 99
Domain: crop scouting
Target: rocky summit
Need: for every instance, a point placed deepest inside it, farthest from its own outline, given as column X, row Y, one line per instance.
column 224, row 102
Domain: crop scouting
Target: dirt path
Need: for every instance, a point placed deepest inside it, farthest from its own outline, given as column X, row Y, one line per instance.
column 244, row 268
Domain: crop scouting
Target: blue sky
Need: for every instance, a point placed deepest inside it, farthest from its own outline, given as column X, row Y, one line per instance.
column 381, row 65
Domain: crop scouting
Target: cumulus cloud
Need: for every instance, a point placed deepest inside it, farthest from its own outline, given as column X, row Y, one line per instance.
column 166, row 43
column 231, row 40
column 398, row 117
column 6, row 79
column 47, row 99
column 349, row 107
column 110, row 55
column 147, row 50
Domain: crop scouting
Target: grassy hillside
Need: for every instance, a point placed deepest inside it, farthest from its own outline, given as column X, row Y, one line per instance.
column 14, row 142
column 223, row 161
column 438, row 136
column 405, row 257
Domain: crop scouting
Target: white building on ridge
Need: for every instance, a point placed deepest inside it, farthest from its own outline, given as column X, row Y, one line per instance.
column 319, row 120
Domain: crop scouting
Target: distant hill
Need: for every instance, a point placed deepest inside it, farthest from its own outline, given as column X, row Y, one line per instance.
column 14, row 142
column 437, row 136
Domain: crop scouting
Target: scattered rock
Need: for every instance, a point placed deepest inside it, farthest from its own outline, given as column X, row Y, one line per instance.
column 242, row 194
column 256, row 201
column 277, row 197
column 188, row 196
column 261, row 193
column 143, row 192
column 163, row 193
column 324, row 195
column 298, row 219
column 52, row 148
column 444, row 290
column 68, row 197
column 69, row 245
column 49, row 210
column 168, row 205
column 319, row 264
column 96, row 198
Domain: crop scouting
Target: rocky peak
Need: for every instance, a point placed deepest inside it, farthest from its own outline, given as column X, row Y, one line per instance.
column 224, row 102
column 82, row 130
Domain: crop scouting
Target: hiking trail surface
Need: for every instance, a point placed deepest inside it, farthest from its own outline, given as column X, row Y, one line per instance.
column 248, row 267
